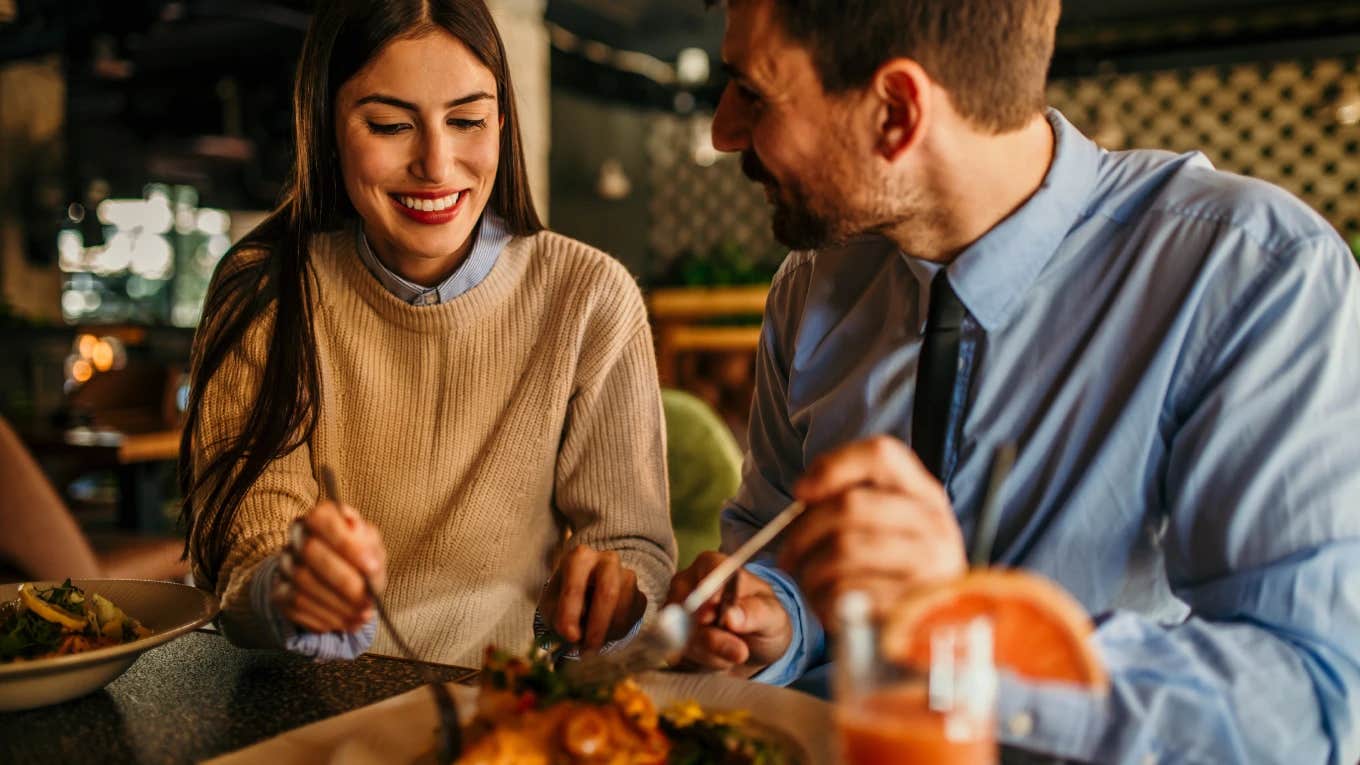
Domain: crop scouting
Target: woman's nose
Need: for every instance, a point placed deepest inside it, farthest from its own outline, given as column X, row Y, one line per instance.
column 434, row 158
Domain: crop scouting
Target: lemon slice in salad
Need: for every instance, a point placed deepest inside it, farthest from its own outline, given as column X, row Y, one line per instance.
column 48, row 611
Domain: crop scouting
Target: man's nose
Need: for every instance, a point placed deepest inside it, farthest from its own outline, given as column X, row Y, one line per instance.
column 731, row 131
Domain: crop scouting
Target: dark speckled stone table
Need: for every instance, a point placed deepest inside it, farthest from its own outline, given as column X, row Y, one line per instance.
column 198, row 697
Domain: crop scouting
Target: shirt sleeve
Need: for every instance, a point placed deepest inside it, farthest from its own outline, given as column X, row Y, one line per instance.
column 774, row 460
column 1262, row 470
column 808, row 647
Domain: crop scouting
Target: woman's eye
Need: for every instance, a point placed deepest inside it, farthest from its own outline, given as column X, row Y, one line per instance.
column 392, row 128
column 465, row 124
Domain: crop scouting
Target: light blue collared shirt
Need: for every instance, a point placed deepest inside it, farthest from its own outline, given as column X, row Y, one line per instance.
column 1176, row 352
column 491, row 238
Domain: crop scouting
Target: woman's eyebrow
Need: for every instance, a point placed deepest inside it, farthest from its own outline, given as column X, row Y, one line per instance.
column 379, row 98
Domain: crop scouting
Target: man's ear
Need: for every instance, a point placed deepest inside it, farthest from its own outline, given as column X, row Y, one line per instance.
column 902, row 89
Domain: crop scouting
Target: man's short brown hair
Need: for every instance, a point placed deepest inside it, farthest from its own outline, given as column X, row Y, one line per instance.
column 991, row 55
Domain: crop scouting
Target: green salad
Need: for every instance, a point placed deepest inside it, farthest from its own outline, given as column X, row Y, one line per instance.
column 54, row 621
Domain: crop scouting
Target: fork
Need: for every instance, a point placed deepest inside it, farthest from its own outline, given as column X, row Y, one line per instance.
column 450, row 738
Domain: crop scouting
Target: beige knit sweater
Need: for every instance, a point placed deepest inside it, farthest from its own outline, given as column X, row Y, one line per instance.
column 474, row 434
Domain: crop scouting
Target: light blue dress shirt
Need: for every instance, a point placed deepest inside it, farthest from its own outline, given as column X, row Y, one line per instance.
column 1176, row 352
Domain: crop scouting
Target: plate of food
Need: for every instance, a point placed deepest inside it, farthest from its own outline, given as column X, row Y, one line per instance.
column 61, row 640
column 525, row 712
column 521, row 712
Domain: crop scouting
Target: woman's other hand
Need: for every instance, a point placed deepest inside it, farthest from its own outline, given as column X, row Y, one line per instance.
column 321, row 573
column 592, row 598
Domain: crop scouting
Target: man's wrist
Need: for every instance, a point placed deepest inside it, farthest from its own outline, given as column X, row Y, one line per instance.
column 806, row 639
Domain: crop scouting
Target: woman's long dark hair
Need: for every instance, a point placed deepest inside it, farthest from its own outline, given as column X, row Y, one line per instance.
column 344, row 36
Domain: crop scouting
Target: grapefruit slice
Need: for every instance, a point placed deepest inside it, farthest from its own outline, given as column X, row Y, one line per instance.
column 1040, row 632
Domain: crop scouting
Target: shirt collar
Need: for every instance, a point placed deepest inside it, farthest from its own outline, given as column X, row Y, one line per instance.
column 924, row 271
column 490, row 238
column 992, row 276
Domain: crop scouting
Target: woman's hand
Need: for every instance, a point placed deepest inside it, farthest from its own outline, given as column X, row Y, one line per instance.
column 592, row 598
column 321, row 574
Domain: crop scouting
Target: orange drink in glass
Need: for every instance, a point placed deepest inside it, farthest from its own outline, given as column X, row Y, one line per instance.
column 892, row 715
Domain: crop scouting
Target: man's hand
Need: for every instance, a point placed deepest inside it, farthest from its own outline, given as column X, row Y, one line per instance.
column 592, row 598
column 876, row 521
column 754, row 632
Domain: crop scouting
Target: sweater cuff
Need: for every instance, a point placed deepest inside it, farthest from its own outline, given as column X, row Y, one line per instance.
column 541, row 629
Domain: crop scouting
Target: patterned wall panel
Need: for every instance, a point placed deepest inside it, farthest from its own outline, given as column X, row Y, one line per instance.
column 700, row 199
column 1293, row 123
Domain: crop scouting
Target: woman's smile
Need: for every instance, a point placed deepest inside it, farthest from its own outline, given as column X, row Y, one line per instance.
column 430, row 208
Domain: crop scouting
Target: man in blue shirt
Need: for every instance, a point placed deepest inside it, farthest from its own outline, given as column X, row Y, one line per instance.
column 1174, row 350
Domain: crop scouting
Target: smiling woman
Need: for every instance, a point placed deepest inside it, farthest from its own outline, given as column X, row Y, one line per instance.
column 483, row 389
column 409, row 155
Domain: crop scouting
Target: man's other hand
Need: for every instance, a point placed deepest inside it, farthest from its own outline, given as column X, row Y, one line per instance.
column 754, row 632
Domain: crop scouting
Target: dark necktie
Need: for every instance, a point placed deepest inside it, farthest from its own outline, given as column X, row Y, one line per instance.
column 935, row 374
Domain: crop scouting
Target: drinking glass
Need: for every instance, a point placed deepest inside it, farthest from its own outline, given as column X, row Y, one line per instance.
column 889, row 714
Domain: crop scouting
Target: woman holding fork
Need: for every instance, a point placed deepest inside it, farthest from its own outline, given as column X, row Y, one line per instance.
column 484, row 390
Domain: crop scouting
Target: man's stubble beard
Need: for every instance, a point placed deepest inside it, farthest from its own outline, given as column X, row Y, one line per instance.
column 850, row 201
column 797, row 227
column 808, row 221
column 843, row 212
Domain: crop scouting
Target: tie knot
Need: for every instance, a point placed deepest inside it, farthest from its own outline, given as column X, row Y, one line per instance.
column 946, row 311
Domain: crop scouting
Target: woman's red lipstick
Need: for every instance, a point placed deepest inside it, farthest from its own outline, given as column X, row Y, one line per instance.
column 428, row 217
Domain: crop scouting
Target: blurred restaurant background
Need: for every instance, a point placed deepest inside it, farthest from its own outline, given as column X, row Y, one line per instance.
column 140, row 138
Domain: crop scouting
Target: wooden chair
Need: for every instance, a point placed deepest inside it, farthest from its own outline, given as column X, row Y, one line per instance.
column 680, row 319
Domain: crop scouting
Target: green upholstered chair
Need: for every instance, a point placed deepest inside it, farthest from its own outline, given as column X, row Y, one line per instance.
column 705, row 470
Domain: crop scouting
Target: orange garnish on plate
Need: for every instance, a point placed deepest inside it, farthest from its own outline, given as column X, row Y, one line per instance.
column 1040, row 631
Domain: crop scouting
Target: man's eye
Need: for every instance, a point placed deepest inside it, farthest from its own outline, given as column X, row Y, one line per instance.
column 387, row 128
